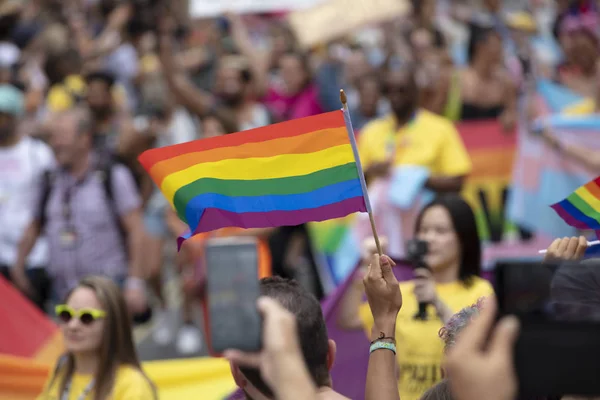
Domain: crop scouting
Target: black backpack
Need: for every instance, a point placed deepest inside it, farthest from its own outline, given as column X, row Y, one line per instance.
column 105, row 172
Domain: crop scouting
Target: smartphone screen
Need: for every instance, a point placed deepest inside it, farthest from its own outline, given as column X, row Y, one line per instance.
column 558, row 305
column 232, row 289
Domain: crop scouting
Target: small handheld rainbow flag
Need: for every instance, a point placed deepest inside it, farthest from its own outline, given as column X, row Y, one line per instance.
column 283, row 174
column 582, row 208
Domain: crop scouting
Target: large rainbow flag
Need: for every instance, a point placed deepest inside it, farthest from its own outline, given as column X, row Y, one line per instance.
column 283, row 174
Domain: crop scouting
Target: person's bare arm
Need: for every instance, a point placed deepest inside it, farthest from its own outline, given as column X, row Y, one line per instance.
column 445, row 184
column 385, row 301
column 192, row 58
column 508, row 119
column 133, row 224
column 258, row 60
column 588, row 157
column 25, row 246
column 194, row 99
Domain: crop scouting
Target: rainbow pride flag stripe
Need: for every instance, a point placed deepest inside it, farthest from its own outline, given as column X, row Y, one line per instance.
column 582, row 208
column 283, row 174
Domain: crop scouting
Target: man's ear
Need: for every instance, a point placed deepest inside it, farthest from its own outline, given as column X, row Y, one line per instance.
column 237, row 375
column 331, row 354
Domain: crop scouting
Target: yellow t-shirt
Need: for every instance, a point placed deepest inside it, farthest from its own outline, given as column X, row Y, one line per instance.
column 585, row 107
column 419, row 348
column 130, row 384
column 429, row 140
column 63, row 96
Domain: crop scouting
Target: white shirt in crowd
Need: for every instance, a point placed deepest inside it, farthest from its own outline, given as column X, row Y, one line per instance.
column 21, row 171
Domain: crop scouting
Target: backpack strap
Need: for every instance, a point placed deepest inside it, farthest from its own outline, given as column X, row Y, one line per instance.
column 46, row 188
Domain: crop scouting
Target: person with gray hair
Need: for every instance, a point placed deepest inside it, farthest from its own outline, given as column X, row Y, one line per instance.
column 90, row 213
column 449, row 332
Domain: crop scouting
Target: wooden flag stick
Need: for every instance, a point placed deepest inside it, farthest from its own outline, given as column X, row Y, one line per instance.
column 361, row 174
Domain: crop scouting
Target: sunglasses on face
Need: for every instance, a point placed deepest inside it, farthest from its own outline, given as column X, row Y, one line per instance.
column 86, row 316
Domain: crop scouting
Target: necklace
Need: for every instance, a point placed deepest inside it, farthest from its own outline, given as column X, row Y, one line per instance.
column 82, row 396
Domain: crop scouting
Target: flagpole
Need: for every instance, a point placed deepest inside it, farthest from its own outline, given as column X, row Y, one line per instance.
column 361, row 174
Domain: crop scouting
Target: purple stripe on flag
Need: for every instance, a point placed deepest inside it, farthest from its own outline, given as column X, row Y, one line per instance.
column 214, row 218
column 569, row 219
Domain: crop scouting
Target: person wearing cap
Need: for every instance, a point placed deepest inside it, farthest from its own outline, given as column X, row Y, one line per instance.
column 23, row 161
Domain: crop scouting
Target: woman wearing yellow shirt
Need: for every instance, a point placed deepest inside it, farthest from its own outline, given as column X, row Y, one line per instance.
column 451, row 283
column 101, row 361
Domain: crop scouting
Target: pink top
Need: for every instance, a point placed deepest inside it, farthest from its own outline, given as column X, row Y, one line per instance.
column 284, row 107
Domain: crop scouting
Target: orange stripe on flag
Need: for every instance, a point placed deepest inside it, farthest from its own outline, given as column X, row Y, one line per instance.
column 21, row 378
column 304, row 144
column 492, row 164
column 51, row 350
column 593, row 188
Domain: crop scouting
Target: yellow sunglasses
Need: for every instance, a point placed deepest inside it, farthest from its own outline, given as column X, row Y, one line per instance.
column 86, row 315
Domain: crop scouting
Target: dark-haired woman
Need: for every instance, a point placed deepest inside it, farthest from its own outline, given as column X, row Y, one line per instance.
column 484, row 90
column 451, row 283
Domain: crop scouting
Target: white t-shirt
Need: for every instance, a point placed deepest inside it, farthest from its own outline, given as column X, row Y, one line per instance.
column 9, row 54
column 260, row 118
column 21, row 172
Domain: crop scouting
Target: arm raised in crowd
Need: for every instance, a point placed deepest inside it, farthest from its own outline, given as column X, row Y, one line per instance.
column 258, row 60
column 385, row 301
column 195, row 100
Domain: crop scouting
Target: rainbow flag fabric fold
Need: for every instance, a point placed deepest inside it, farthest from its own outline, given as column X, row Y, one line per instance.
column 283, row 174
column 582, row 208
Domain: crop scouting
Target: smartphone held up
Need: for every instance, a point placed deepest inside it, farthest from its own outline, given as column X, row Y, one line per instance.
column 232, row 320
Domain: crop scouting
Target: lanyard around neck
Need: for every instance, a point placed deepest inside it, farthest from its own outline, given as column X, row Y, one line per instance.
column 82, row 396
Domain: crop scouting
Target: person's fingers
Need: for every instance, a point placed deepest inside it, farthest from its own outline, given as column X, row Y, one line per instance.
column 552, row 249
column 572, row 245
column 243, row 359
column 386, row 264
column 562, row 247
column 582, row 246
column 387, row 259
column 504, row 337
column 375, row 268
column 474, row 335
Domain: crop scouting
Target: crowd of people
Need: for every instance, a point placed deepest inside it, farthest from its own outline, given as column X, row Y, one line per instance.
column 87, row 86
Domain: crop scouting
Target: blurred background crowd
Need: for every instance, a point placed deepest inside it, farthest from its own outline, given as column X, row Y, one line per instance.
column 87, row 85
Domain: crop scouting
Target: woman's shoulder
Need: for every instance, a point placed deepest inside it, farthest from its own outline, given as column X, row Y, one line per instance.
column 482, row 285
column 130, row 372
column 132, row 383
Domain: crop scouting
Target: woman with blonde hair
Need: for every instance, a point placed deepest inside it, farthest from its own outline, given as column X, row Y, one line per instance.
column 101, row 361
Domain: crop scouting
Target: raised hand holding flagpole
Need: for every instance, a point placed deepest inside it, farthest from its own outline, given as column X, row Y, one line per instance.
column 361, row 173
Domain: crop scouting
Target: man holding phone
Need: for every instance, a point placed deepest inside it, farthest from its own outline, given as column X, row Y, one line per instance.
column 317, row 349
